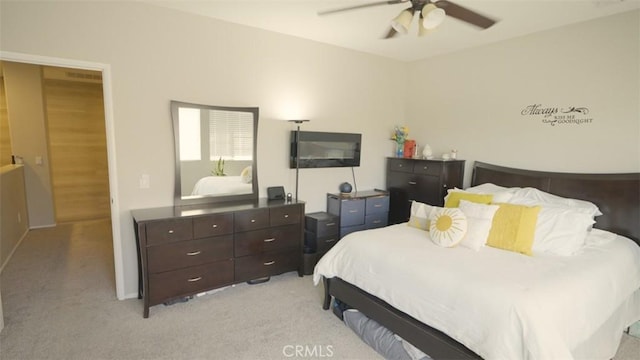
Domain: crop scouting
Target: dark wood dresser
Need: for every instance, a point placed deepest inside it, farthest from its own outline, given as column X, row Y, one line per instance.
column 186, row 250
column 426, row 181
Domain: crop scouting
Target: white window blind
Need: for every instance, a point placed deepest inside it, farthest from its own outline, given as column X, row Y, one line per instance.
column 230, row 135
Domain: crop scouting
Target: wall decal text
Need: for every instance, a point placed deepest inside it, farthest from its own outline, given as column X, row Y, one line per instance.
column 572, row 115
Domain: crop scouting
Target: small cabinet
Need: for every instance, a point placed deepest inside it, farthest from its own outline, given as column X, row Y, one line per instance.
column 322, row 231
column 426, row 181
column 360, row 210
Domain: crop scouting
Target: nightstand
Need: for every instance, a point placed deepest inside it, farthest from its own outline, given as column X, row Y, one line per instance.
column 320, row 234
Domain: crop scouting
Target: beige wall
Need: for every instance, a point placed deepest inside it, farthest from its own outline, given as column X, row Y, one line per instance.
column 472, row 100
column 157, row 55
column 13, row 204
column 26, row 113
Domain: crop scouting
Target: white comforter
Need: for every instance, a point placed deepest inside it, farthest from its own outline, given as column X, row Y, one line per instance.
column 500, row 304
column 221, row 185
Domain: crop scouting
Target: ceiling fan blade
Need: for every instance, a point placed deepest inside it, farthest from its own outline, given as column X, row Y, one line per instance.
column 464, row 14
column 356, row 7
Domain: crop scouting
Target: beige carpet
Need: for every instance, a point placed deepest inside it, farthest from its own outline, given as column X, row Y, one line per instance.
column 59, row 302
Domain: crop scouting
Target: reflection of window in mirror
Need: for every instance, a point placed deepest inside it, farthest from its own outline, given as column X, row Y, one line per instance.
column 190, row 132
column 230, row 135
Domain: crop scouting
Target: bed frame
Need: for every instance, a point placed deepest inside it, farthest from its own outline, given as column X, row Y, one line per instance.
column 617, row 196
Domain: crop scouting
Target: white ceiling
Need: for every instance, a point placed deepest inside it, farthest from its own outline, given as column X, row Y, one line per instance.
column 363, row 29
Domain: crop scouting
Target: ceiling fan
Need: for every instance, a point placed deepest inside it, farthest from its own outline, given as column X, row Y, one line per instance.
column 432, row 13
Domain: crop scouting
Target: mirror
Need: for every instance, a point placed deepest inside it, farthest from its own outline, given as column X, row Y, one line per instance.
column 215, row 153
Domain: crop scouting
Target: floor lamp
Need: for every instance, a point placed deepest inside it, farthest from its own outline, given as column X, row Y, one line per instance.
column 298, row 122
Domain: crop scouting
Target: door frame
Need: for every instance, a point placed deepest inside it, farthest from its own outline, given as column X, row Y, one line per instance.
column 111, row 145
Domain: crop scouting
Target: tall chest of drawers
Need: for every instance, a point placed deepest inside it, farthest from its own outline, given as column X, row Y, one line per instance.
column 184, row 251
column 426, row 181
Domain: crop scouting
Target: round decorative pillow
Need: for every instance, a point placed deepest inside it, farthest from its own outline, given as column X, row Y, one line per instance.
column 448, row 226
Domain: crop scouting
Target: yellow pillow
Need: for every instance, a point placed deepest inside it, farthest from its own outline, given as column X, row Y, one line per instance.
column 448, row 226
column 453, row 198
column 513, row 228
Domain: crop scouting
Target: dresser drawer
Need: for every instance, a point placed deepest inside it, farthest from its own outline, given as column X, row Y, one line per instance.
column 285, row 215
column 402, row 165
column 251, row 220
column 376, row 220
column 322, row 223
column 428, row 168
column 376, row 205
column 267, row 264
column 165, row 231
column 326, row 243
column 189, row 253
column 352, row 212
column 212, row 225
column 189, row 281
column 266, row 240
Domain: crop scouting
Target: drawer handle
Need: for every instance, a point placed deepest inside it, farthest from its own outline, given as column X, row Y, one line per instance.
column 331, row 224
column 269, row 263
column 412, row 182
column 253, row 220
column 286, row 215
column 195, row 279
column 425, row 168
column 377, row 205
column 330, row 240
column 353, row 211
column 377, row 221
column 194, row 253
column 399, row 165
column 214, row 226
column 170, row 231
column 270, row 240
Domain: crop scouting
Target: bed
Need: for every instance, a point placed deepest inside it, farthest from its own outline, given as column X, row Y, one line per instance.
column 222, row 185
column 464, row 304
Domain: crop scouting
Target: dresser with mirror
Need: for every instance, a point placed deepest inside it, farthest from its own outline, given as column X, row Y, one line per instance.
column 218, row 232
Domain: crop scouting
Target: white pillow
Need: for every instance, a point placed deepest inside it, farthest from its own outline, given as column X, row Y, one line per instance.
column 561, row 231
column 246, row 175
column 479, row 219
column 448, row 226
column 420, row 215
column 533, row 196
column 500, row 193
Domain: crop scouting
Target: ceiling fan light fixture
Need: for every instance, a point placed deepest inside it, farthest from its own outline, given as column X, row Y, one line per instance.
column 422, row 31
column 402, row 22
column 432, row 16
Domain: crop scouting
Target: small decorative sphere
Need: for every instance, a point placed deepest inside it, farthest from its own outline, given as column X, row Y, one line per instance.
column 345, row 187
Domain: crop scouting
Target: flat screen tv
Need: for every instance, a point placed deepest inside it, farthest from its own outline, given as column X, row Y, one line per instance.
column 314, row 149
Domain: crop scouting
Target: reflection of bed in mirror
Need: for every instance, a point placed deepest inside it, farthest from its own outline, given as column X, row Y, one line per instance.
column 221, row 185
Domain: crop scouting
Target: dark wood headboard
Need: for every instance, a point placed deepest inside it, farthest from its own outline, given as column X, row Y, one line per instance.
column 617, row 195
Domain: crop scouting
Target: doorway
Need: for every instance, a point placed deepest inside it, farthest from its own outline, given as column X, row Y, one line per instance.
column 105, row 70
